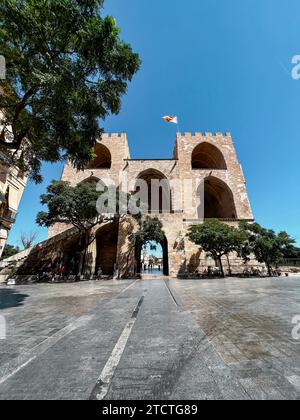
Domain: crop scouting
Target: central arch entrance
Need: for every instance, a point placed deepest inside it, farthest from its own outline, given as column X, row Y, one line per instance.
column 152, row 258
column 107, row 240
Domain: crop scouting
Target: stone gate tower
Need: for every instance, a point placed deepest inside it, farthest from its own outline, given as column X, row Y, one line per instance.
column 199, row 159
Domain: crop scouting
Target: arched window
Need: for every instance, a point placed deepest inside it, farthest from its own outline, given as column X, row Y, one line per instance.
column 218, row 200
column 102, row 159
column 208, row 156
column 157, row 184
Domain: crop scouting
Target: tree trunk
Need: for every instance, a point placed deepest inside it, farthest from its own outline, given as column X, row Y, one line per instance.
column 83, row 245
column 81, row 263
column 221, row 267
column 84, row 252
column 229, row 266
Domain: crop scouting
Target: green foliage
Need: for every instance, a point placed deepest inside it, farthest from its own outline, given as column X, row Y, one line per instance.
column 265, row 244
column 219, row 239
column 216, row 238
column 151, row 229
column 75, row 206
column 71, row 205
column 9, row 251
column 67, row 69
column 292, row 252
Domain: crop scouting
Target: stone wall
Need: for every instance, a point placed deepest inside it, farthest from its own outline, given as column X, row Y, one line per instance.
column 184, row 257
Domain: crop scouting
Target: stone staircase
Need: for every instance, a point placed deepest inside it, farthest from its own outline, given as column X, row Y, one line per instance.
column 9, row 265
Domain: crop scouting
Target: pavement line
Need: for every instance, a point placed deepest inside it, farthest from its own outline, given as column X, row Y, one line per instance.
column 102, row 386
column 128, row 287
column 5, row 378
column 8, row 370
column 171, row 293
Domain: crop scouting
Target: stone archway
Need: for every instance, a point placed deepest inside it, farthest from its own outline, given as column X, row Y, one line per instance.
column 158, row 184
column 165, row 256
column 102, row 159
column 218, row 200
column 106, row 244
column 208, row 156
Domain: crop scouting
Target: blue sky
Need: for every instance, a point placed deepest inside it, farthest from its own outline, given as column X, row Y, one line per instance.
column 220, row 65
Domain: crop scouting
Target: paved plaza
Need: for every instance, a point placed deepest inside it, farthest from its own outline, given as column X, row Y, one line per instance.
column 152, row 339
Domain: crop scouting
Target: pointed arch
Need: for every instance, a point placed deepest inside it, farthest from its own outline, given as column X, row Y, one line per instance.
column 102, row 159
column 165, row 257
column 107, row 246
column 164, row 198
column 208, row 156
column 218, row 200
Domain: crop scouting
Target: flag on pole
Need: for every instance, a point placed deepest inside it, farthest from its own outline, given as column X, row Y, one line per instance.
column 173, row 120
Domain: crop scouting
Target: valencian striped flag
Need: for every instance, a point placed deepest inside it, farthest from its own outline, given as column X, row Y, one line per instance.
column 173, row 120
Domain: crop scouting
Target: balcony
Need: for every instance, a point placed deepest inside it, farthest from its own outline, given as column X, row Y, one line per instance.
column 7, row 217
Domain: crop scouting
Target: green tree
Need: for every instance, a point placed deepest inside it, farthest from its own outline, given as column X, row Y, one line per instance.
column 75, row 206
column 150, row 229
column 217, row 239
column 265, row 244
column 67, row 69
column 292, row 252
column 9, row 251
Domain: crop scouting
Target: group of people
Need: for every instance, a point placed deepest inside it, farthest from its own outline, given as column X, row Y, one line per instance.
column 151, row 267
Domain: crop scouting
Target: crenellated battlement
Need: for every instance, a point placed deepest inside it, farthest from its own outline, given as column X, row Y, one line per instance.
column 204, row 164
column 114, row 136
column 203, row 135
column 123, row 136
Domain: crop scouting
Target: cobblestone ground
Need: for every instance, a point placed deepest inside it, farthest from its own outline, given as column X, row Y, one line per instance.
column 152, row 339
column 249, row 324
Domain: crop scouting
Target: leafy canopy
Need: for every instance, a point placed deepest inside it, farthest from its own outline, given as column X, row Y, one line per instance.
column 71, row 205
column 216, row 237
column 151, row 229
column 292, row 252
column 265, row 244
column 67, row 69
column 9, row 251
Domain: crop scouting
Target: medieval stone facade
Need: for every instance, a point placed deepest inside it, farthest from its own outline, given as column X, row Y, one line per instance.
column 200, row 160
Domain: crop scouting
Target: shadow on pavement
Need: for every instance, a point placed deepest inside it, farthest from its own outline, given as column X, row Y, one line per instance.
column 11, row 299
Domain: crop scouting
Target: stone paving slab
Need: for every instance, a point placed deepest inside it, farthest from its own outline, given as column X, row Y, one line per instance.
column 218, row 339
column 249, row 323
